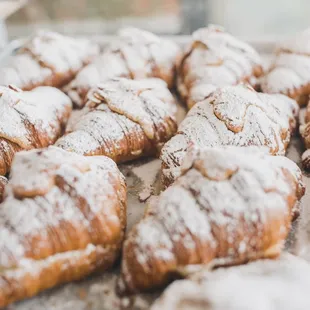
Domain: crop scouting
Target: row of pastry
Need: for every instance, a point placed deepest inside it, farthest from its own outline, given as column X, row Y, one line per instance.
column 63, row 214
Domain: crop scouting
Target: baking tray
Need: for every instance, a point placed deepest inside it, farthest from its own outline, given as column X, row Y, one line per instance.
column 142, row 177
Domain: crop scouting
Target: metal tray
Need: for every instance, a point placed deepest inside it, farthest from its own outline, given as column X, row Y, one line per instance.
column 142, row 176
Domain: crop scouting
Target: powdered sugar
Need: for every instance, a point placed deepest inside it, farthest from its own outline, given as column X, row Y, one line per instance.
column 43, row 56
column 60, row 53
column 289, row 73
column 233, row 115
column 269, row 284
column 43, row 108
column 194, row 223
column 37, row 206
column 215, row 59
column 137, row 54
column 119, row 115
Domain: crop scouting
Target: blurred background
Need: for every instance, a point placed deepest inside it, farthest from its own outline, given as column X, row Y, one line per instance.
column 244, row 18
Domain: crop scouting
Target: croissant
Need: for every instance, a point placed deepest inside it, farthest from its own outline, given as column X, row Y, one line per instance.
column 137, row 54
column 63, row 217
column 123, row 119
column 30, row 119
column 229, row 206
column 48, row 59
column 214, row 58
column 269, row 284
column 290, row 72
column 233, row 115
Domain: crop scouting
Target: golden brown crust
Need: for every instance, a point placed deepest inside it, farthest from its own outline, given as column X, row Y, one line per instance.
column 214, row 59
column 48, row 59
column 124, row 120
column 137, row 54
column 230, row 206
column 63, row 217
column 304, row 130
column 3, row 182
column 29, row 120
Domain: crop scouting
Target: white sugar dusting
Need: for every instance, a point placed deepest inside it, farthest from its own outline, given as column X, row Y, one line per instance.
column 118, row 115
column 290, row 72
column 213, row 59
column 45, row 108
column 43, row 56
column 268, row 284
column 136, row 54
column 193, row 215
column 233, row 115
column 36, row 202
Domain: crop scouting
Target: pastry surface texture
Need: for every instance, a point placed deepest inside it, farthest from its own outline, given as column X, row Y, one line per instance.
column 123, row 119
column 230, row 206
column 269, row 284
column 30, row 119
column 63, row 217
column 304, row 130
column 3, row 182
column 214, row 58
column 136, row 54
column 289, row 74
column 48, row 59
column 233, row 115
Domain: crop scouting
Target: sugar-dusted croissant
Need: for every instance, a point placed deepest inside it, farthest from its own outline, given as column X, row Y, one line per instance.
column 214, row 59
column 30, row 119
column 290, row 72
column 230, row 205
column 136, row 54
column 3, row 182
column 63, row 217
column 233, row 115
column 266, row 284
column 123, row 119
column 48, row 59
column 304, row 130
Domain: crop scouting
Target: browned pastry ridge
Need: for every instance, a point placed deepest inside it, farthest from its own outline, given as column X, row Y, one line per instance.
column 48, row 59
column 232, row 115
column 304, row 130
column 63, row 217
column 30, row 119
column 266, row 284
column 137, row 54
column 123, row 119
column 214, row 58
column 3, row 182
column 289, row 74
column 230, row 206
